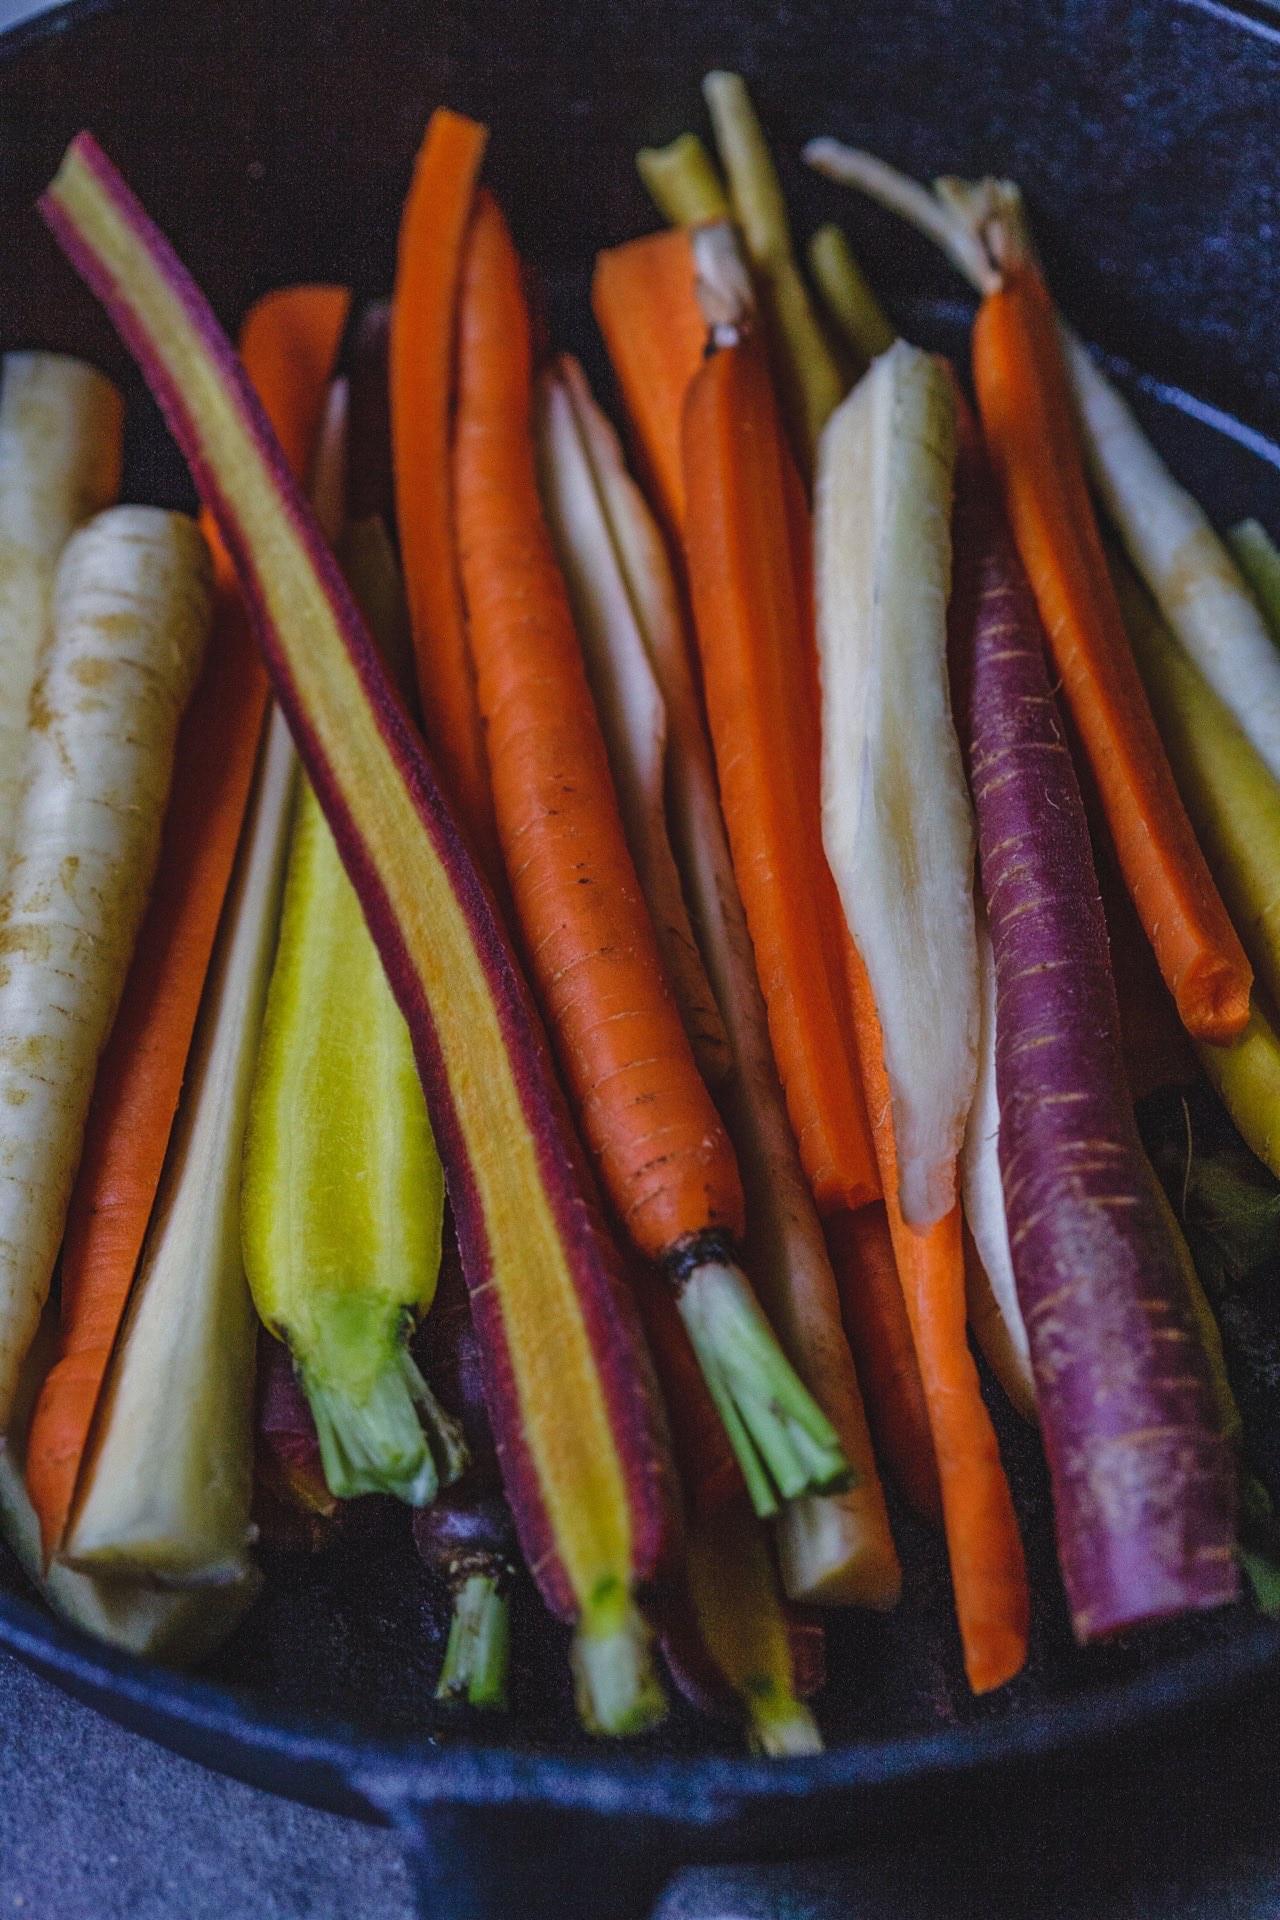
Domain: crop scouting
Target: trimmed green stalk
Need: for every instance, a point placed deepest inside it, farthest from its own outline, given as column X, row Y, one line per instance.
column 846, row 295
column 809, row 375
column 682, row 182
column 475, row 1658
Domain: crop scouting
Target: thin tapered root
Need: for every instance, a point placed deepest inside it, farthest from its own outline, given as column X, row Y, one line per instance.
column 783, row 1441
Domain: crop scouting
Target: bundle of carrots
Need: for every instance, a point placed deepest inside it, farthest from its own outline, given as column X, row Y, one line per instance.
column 690, row 875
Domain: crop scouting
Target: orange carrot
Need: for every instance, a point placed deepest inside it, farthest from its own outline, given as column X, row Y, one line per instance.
column 289, row 343
column 644, row 303
column 988, row 1569
column 752, row 600
column 424, row 311
column 875, row 1319
column 659, row 1144
column 1027, row 417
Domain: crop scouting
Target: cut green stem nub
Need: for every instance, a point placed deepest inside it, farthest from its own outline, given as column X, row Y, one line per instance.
column 783, row 1441
column 617, row 1690
column 397, row 1439
column 783, row 1728
column 475, row 1658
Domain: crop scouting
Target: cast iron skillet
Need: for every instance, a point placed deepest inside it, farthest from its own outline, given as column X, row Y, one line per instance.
column 273, row 143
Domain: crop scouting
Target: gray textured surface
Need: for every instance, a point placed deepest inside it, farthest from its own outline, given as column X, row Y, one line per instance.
column 97, row 1824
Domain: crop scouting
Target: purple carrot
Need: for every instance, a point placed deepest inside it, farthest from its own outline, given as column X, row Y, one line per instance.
column 466, row 1537
column 580, row 1427
column 1142, row 1480
column 293, row 1508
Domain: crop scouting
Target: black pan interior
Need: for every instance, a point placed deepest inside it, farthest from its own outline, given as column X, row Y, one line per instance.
column 274, row 143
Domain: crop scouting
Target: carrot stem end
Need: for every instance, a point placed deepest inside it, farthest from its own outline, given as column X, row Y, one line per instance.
column 618, row 1691
column 477, row 1653
column 395, row 1439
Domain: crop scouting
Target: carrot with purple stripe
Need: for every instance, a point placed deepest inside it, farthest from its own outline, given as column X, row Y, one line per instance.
column 578, row 1425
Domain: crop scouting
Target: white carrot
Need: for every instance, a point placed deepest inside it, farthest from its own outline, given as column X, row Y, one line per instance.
column 628, row 701
column 131, row 614
column 60, row 436
column 174, row 1627
column 171, row 1477
column 832, row 1548
column 896, row 818
column 1189, row 570
column 994, row 1313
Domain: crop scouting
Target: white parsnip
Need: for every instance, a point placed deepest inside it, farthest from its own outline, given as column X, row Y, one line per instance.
column 628, row 701
column 181, row 1628
column 833, row 1548
column 61, row 425
column 896, row 818
column 130, row 619
column 994, row 1314
column 169, row 1486
column 1190, row 572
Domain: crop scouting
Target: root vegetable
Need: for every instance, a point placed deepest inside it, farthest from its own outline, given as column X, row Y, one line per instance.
column 166, row 1493
column 130, row 620
column 1142, row 1479
column 896, row 819
column 572, row 1398
column 61, row 428
column 663, row 1155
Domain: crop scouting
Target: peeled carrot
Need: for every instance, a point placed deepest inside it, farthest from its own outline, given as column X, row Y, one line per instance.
column 1030, row 426
column 643, row 298
column 289, row 341
column 988, row 1568
column 423, row 350
column 751, row 590
column 660, row 1146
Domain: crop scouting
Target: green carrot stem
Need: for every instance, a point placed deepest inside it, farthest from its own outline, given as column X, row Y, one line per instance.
column 784, row 1442
column 476, row 1656
column 396, row 1439
column 617, row 1690
column 682, row 181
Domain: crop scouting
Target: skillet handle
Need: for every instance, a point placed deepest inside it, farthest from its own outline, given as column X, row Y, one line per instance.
column 528, row 1862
